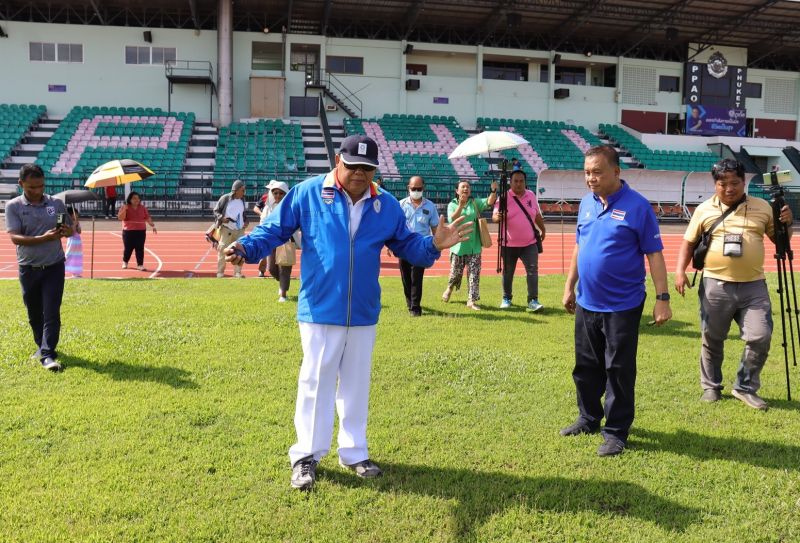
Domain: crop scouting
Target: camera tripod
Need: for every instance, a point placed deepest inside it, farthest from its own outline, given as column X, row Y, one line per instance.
column 788, row 300
column 502, row 230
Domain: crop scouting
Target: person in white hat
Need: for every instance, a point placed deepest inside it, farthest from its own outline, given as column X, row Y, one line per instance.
column 279, row 265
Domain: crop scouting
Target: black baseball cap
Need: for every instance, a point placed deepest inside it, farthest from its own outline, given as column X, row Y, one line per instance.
column 359, row 149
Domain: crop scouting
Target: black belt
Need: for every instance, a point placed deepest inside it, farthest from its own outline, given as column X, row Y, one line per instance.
column 37, row 267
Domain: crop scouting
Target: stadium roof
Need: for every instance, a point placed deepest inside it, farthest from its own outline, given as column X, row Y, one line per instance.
column 656, row 29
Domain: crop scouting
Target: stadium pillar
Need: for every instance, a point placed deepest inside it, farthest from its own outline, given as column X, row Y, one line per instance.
column 618, row 92
column 480, row 98
column 402, row 105
column 225, row 62
column 551, row 83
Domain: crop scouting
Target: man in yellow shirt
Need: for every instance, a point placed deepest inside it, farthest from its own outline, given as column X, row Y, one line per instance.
column 733, row 285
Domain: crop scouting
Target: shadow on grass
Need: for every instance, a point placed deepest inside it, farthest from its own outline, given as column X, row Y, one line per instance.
column 488, row 313
column 480, row 495
column 670, row 328
column 705, row 447
column 122, row 371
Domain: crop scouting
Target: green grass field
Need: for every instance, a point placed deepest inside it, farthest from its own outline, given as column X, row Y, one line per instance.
column 172, row 420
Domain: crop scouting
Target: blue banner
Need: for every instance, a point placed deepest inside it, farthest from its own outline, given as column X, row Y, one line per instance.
column 715, row 121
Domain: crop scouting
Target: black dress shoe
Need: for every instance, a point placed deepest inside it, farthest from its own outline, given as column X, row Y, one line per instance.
column 612, row 446
column 578, row 427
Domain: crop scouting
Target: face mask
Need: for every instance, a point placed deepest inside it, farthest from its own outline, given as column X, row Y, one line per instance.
column 416, row 194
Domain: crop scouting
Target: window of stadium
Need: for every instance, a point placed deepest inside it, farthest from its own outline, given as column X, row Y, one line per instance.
column 668, row 83
column 149, row 55
column 344, row 65
column 506, row 71
column 416, row 69
column 267, row 56
column 752, row 90
column 570, row 75
column 55, row 52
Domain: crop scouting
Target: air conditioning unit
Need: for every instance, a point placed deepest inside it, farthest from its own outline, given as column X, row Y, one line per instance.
column 331, row 107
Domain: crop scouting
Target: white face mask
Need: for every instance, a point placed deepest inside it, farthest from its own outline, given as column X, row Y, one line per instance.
column 415, row 194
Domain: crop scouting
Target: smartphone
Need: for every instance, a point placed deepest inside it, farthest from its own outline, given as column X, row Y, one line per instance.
column 60, row 220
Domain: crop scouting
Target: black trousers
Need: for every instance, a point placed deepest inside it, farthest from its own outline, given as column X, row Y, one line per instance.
column 133, row 240
column 412, row 284
column 530, row 259
column 605, row 362
column 109, row 205
column 42, row 291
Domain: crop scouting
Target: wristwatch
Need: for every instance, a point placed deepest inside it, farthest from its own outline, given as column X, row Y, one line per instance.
column 664, row 297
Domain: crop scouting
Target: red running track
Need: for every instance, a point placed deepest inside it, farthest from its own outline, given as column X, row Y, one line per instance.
column 186, row 254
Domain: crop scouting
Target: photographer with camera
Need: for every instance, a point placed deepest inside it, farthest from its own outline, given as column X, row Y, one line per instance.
column 36, row 223
column 525, row 232
column 732, row 226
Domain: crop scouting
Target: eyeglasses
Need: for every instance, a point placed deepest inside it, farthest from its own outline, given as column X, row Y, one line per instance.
column 416, row 188
column 362, row 167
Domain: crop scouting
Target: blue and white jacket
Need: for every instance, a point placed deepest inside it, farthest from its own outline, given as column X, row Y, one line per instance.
column 339, row 275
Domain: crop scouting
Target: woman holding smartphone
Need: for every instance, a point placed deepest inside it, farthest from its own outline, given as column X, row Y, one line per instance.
column 135, row 218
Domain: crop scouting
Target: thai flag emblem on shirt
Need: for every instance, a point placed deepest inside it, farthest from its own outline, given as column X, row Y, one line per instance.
column 327, row 195
column 618, row 215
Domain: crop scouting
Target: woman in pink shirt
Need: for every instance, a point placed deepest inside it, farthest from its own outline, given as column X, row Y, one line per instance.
column 135, row 218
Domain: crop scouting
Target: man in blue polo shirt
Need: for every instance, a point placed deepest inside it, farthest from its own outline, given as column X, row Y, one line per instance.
column 616, row 229
column 32, row 222
column 422, row 218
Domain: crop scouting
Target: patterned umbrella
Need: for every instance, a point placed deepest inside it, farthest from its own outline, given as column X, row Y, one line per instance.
column 118, row 172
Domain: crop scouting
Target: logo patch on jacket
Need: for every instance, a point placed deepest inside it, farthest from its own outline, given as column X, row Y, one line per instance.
column 376, row 205
column 51, row 210
column 327, row 195
column 618, row 215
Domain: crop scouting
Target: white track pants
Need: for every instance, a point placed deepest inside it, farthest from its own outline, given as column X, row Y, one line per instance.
column 331, row 352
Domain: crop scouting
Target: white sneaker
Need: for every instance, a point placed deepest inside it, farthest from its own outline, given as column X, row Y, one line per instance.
column 282, row 299
column 124, row 265
column 140, row 268
column 238, row 276
column 220, row 275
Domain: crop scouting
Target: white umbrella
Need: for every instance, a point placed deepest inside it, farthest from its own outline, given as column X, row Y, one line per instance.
column 487, row 142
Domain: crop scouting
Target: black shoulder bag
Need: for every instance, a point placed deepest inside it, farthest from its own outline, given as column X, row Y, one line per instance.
column 701, row 247
column 539, row 246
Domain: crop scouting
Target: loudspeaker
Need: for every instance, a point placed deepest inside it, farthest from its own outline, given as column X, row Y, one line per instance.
column 409, row 49
column 412, row 84
column 148, row 36
column 556, row 59
column 560, row 94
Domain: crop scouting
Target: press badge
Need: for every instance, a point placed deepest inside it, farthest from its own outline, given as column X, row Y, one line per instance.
column 732, row 245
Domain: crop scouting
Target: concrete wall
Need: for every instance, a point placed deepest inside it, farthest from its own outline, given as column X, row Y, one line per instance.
column 454, row 73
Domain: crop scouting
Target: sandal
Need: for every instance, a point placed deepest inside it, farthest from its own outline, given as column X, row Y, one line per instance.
column 446, row 296
column 473, row 306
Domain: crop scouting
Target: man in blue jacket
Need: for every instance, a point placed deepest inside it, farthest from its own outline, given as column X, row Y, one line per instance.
column 346, row 220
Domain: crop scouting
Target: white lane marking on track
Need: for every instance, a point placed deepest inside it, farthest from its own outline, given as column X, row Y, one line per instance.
column 160, row 264
column 199, row 263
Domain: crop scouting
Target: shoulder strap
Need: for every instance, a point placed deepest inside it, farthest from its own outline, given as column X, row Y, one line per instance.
column 527, row 215
column 727, row 212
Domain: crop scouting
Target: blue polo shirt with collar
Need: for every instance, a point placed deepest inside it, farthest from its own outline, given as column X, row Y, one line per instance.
column 612, row 244
column 420, row 219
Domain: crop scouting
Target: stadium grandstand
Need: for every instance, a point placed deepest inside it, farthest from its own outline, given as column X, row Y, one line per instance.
column 204, row 92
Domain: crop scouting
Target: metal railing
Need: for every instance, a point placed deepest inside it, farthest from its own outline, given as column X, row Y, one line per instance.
column 335, row 87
